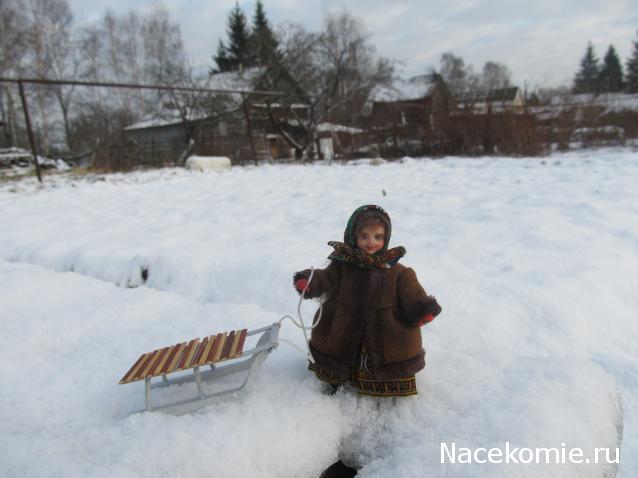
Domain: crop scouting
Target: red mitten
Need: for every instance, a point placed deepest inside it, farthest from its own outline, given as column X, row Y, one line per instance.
column 428, row 318
column 300, row 284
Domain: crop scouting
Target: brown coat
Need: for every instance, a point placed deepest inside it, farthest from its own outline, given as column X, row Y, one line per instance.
column 381, row 307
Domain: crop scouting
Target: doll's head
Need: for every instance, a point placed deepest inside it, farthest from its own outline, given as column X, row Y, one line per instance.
column 369, row 229
column 370, row 233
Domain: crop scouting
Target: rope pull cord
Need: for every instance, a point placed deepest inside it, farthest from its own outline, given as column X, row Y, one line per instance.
column 301, row 324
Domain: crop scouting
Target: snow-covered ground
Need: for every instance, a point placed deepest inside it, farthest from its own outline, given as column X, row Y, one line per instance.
column 535, row 262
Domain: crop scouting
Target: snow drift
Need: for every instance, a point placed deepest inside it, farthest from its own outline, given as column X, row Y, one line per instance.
column 533, row 260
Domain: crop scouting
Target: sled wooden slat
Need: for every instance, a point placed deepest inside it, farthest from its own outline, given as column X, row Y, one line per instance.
column 140, row 371
column 177, row 355
column 133, row 370
column 163, row 355
column 151, row 363
column 210, row 358
column 206, row 350
column 219, row 347
column 188, row 355
column 199, row 352
column 233, row 348
column 166, row 361
column 193, row 354
column 227, row 345
column 184, row 357
column 242, row 341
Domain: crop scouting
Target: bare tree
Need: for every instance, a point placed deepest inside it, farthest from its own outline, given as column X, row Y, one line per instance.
column 13, row 28
column 459, row 77
column 60, row 53
column 495, row 75
column 50, row 22
column 112, row 50
column 165, row 63
column 353, row 66
column 141, row 49
column 333, row 72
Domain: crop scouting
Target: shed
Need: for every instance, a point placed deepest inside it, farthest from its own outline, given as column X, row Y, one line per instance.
column 413, row 114
column 492, row 100
column 241, row 131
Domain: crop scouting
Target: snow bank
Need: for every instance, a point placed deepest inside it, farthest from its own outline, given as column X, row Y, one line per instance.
column 208, row 163
column 64, row 414
column 67, row 415
column 18, row 159
column 533, row 260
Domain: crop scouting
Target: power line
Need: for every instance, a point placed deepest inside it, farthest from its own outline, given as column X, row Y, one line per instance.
column 194, row 89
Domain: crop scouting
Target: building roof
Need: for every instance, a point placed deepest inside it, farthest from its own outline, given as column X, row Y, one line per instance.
column 607, row 102
column 611, row 101
column 243, row 80
column 415, row 88
column 337, row 128
column 497, row 95
column 170, row 119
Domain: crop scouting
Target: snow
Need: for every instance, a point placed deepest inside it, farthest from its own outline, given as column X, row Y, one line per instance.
column 153, row 122
column 18, row 160
column 243, row 80
column 208, row 163
column 534, row 261
column 402, row 90
column 612, row 102
column 337, row 128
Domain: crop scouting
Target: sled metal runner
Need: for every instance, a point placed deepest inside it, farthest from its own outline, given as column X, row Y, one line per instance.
column 221, row 354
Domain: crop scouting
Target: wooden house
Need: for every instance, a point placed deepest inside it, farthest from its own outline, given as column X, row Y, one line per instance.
column 412, row 115
column 234, row 125
column 589, row 119
column 495, row 100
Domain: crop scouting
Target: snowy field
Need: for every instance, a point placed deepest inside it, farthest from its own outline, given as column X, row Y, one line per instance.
column 535, row 262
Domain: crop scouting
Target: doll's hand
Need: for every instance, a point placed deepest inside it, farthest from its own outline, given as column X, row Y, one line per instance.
column 428, row 318
column 300, row 281
column 301, row 284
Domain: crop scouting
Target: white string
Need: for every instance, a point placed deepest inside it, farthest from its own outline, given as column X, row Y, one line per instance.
column 290, row 342
column 301, row 324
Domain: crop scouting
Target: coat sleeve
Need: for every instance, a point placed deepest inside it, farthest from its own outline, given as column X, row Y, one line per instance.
column 324, row 281
column 414, row 302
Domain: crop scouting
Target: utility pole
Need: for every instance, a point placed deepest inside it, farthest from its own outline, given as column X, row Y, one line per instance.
column 27, row 120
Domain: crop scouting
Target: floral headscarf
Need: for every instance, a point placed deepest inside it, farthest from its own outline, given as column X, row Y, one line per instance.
column 347, row 251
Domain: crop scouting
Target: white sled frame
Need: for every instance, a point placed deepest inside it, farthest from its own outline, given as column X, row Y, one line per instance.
column 250, row 360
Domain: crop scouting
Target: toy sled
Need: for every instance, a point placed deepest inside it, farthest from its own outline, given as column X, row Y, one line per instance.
column 222, row 353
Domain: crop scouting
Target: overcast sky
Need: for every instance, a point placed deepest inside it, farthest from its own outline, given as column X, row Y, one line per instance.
column 542, row 41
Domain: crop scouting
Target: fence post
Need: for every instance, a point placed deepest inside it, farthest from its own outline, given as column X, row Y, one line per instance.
column 249, row 128
column 154, row 159
column 27, row 119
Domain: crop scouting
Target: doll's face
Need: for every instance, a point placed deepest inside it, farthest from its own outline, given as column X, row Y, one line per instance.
column 370, row 239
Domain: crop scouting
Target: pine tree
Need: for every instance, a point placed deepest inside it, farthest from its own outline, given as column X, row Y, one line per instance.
column 586, row 80
column 611, row 75
column 221, row 58
column 237, row 54
column 264, row 41
column 632, row 71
